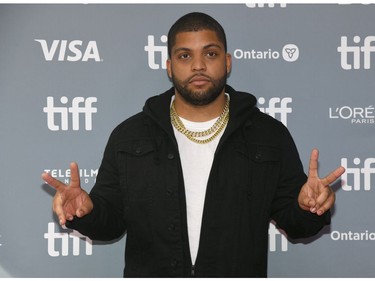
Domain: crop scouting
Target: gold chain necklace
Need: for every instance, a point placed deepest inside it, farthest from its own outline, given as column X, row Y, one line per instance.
column 215, row 129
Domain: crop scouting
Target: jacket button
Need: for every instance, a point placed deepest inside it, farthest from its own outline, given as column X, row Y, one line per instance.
column 138, row 150
column 171, row 227
column 249, row 194
column 258, row 156
column 169, row 192
column 170, row 156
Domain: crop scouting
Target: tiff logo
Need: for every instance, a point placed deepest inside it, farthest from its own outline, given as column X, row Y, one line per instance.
column 277, row 108
column 152, row 50
column 361, row 175
column 79, row 106
column 64, row 238
column 275, row 235
column 71, row 51
column 351, row 56
column 262, row 5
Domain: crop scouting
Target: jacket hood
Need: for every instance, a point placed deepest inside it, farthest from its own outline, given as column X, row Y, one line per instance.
column 242, row 106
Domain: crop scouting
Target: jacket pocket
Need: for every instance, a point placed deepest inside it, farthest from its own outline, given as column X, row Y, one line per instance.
column 135, row 161
column 264, row 175
column 264, row 154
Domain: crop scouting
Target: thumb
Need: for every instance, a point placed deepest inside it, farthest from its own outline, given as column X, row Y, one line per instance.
column 85, row 209
column 306, row 202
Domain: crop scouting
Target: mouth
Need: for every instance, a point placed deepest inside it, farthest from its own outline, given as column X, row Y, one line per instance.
column 199, row 80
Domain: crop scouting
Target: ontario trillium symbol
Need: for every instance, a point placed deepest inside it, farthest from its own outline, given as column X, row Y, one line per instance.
column 290, row 52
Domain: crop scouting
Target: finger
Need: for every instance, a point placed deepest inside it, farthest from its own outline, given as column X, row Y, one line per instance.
column 326, row 205
column 307, row 203
column 85, row 208
column 58, row 209
column 323, row 198
column 313, row 165
column 56, row 184
column 74, row 175
column 69, row 217
column 333, row 176
column 81, row 212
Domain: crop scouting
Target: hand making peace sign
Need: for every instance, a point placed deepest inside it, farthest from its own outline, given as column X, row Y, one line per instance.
column 316, row 195
column 70, row 200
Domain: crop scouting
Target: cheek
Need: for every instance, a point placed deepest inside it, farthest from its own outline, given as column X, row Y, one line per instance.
column 218, row 68
column 180, row 74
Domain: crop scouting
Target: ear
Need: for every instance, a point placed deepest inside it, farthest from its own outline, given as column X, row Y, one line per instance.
column 169, row 68
column 229, row 63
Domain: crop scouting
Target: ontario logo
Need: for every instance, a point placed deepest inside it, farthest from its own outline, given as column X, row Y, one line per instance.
column 289, row 53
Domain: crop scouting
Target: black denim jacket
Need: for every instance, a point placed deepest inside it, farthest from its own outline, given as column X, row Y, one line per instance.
column 255, row 177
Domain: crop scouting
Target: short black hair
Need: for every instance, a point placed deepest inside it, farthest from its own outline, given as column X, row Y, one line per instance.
column 195, row 21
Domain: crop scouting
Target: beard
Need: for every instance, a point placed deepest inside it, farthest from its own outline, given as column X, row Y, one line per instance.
column 200, row 97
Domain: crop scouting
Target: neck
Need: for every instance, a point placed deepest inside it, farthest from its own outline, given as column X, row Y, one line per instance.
column 199, row 113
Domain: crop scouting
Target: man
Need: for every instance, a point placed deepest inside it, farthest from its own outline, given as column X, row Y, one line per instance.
column 196, row 177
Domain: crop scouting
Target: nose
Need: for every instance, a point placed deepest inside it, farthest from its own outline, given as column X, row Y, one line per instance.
column 198, row 64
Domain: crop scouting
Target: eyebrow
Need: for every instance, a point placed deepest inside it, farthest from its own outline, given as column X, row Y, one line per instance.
column 213, row 45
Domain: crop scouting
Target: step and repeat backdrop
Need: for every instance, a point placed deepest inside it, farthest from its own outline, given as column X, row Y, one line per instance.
column 69, row 73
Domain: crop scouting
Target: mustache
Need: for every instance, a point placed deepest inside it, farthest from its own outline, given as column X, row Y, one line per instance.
column 198, row 75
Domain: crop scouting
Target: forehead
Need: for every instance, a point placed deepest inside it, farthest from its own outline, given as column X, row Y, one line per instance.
column 197, row 39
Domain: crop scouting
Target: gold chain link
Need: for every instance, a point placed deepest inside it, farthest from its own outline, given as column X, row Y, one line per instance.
column 215, row 129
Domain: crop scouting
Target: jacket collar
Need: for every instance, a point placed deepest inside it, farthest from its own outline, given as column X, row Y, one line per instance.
column 242, row 106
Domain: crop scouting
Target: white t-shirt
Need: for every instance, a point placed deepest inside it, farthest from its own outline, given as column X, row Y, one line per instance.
column 196, row 161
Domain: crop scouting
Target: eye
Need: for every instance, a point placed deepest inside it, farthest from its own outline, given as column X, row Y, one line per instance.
column 184, row 56
column 211, row 54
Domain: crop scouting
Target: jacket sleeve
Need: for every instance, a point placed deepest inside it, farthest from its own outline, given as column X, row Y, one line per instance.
column 106, row 221
column 286, row 212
